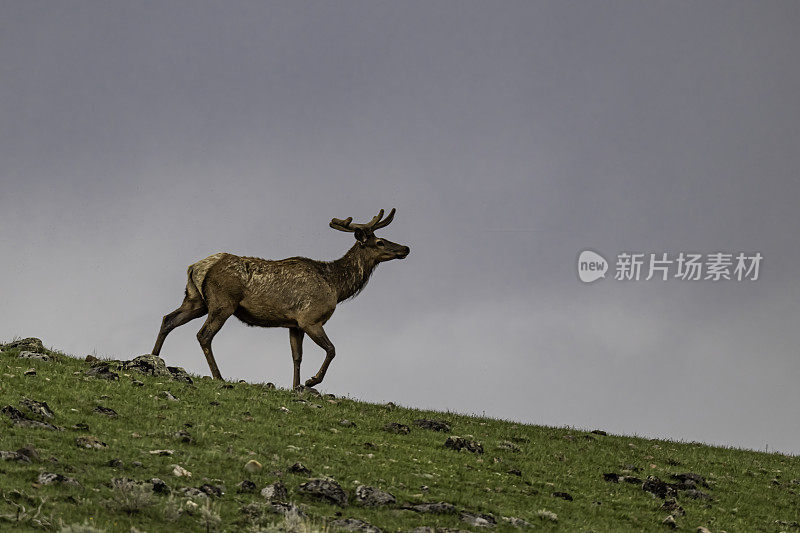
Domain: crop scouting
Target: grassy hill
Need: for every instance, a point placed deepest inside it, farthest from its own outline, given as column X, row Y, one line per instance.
column 86, row 461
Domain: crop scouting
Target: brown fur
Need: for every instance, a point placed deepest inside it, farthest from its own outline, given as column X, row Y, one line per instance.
column 296, row 293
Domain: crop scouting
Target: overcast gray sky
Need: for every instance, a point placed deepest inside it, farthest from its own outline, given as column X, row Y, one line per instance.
column 138, row 137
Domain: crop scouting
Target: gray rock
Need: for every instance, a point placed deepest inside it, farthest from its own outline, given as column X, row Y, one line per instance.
column 432, row 507
column 105, row 411
column 371, row 496
column 325, row 489
column 90, row 442
column 160, row 486
column 20, row 419
column 672, row 506
column 508, row 446
column 148, row 364
column 689, row 477
column 478, row 520
column 102, row 371
column 299, row 468
column 38, row 408
column 168, row 396
column 517, row 522
column 459, row 443
column 14, row 456
column 34, row 355
column 697, row 494
column 354, row 524
column 287, row 509
column 563, row 495
column 246, row 487
column 49, row 478
column 275, row 491
column 179, row 374
column 433, row 425
column 31, row 344
column 213, row 490
column 399, row 429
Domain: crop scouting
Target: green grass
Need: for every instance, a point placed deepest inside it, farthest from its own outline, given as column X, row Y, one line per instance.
column 751, row 491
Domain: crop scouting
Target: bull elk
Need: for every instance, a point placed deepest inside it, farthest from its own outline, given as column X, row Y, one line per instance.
column 296, row 293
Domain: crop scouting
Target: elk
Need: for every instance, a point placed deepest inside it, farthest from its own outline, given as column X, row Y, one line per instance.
column 296, row 293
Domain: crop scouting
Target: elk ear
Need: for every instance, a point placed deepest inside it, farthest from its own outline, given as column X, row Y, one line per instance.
column 361, row 235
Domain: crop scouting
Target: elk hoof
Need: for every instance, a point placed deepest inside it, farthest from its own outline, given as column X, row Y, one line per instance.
column 312, row 381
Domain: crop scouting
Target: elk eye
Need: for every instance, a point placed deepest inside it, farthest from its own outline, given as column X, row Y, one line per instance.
column 380, row 244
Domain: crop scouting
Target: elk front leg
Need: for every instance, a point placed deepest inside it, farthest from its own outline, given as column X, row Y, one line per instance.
column 317, row 334
column 296, row 341
column 213, row 324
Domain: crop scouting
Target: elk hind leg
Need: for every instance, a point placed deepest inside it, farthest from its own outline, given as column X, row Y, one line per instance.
column 318, row 335
column 188, row 311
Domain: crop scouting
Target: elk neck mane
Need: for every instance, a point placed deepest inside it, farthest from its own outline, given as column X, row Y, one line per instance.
column 350, row 273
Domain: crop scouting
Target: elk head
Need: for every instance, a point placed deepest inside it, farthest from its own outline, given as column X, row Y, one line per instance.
column 380, row 249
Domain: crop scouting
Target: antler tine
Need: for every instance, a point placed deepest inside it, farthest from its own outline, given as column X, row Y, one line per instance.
column 342, row 225
column 386, row 221
column 372, row 225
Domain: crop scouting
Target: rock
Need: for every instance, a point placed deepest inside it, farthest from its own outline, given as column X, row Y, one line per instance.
column 325, row 489
column 179, row 374
column 669, row 521
column 671, row 505
column 269, row 386
column 689, row 477
column 102, row 371
column 701, row 529
column 508, row 446
column 275, row 491
column 105, row 411
column 184, row 436
column 31, row 344
column 371, row 496
column 354, row 524
column 246, row 487
column 29, row 372
column 33, row 355
column 544, row 514
column 253, row 466
column 399, row 429
column 163, row 453
column 655, row 486
column 515, row 472
column 599, row 432
column 168, row 396
column 90, row 442
column 516, row 522
column 212, row 490
column 179, row 471
column 459, row 443
column 478, row 520
column 38, row 408
column 14, row 456
column 30, row 452
column 115, row 463
column 20, row 419
column 148, row 364
column 299, row 468
column 433, row 507
column 91, row 359
column 563, row 495
column 347, row 423
column 160, row 486
column 137, row 383
column 433, row 425
column 287, row 509
column 632, row 479
column 697, row 494
column 192, row 492
column 49, row 478
column 137, row 464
